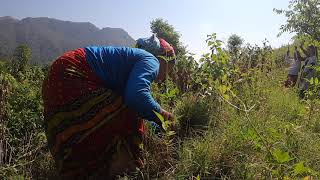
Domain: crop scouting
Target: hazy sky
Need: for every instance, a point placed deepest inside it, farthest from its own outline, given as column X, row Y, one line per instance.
column 254, row 20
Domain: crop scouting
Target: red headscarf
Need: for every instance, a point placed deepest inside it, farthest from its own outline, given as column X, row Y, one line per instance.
column 166, row 48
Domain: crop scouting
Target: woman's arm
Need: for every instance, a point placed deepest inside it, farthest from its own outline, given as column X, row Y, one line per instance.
column 138, row 88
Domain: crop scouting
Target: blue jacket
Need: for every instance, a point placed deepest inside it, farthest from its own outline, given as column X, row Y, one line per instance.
column 129, row 71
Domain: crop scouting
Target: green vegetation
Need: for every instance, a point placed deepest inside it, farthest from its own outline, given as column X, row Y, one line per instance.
column 235, row 118
column 250, row 127
column 23, row 151
column 167, row 31
column 303, row 18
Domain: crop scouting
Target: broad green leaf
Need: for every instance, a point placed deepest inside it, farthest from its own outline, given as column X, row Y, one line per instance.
column 311, row 81
column 281, row 156
column 316, row 81
column 223, row 89
column 226, row 96
column 224, row 77
column 165, row 123
column 300, row 169
column 198, row 177
column 275, row 172
column 161, row 118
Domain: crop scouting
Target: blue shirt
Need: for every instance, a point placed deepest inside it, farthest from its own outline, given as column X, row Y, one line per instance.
column 129, row 71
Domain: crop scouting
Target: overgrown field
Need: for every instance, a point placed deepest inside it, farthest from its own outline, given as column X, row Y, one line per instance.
column 277, row 137
column 235, row 121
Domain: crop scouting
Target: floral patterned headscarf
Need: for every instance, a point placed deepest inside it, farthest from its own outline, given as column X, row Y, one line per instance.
column 151, row 44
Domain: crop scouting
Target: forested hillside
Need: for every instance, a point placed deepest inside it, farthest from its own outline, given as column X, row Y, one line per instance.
column 48, row 38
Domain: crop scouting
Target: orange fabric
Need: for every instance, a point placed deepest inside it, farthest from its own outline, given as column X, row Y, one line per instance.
column 86, row 125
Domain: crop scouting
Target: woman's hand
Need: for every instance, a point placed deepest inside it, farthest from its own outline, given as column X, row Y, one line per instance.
column 167, row 115
column 168, row 120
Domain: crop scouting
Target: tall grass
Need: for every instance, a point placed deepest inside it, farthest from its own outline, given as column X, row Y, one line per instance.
column 274, row 140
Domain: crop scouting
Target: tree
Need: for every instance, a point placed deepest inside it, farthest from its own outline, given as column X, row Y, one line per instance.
column 166, row 31
column 186, row 64
column 303, row 18
column 234, row 45
column 21, row 57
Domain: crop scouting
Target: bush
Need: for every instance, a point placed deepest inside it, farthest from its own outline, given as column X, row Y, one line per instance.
column 22, row 133
column 194, row 114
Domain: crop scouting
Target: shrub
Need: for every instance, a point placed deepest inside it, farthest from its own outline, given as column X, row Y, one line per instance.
column 193, row 114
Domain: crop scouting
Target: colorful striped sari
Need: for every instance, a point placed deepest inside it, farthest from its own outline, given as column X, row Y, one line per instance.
column 88, row 126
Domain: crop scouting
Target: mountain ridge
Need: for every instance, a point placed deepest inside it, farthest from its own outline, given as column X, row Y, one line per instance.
column 49, row 37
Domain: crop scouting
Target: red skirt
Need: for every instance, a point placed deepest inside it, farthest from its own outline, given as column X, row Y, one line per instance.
column 88, row 126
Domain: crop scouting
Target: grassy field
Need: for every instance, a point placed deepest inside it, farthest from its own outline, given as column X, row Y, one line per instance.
column 278, row 137
column 264, row 132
